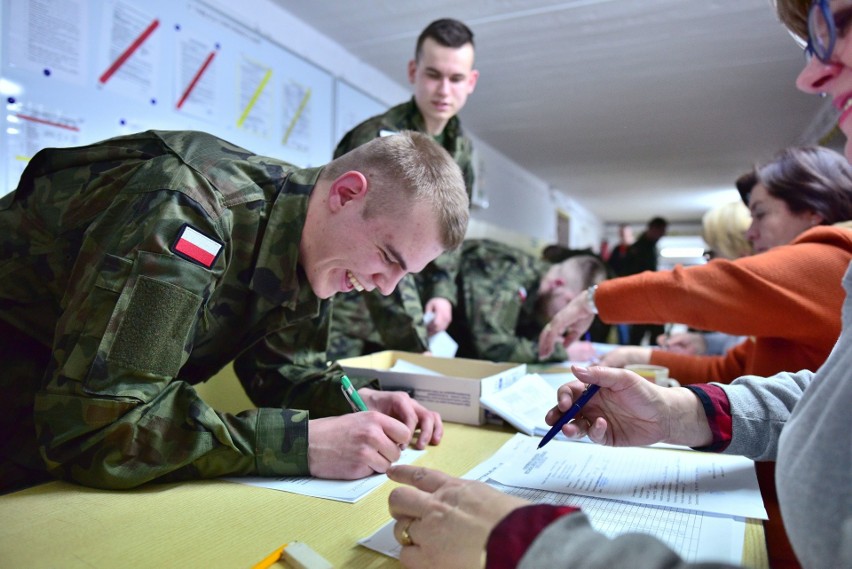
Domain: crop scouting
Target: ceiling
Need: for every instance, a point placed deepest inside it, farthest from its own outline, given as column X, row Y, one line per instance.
column 634, row 108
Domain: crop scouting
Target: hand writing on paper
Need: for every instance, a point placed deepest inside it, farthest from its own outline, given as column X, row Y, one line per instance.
column 401, row 406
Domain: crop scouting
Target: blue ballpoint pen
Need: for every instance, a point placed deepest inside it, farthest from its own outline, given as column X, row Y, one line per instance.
column 569, row 414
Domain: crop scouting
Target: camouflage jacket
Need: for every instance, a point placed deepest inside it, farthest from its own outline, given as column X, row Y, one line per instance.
column 101, row 260
column 396, row 322
column 497, row 293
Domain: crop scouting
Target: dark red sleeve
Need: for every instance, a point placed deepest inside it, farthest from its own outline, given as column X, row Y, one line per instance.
column 510, row 539
column 718, row 409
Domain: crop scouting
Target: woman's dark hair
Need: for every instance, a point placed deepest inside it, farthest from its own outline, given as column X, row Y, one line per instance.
column 807, row 179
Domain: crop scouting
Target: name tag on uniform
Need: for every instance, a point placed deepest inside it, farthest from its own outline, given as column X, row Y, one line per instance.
column 194, row 246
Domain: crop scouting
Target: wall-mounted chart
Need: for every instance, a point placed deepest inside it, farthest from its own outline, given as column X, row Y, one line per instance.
column 79, row 71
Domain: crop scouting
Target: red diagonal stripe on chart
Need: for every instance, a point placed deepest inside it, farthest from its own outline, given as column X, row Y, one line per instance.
column 47, row 122
column 196, row 79
column 129, row 51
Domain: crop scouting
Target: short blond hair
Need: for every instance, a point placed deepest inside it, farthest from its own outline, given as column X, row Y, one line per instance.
column 408, row 168
column 724, row 228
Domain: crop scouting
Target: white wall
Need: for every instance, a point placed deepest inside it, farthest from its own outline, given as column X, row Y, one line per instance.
column 521, row 208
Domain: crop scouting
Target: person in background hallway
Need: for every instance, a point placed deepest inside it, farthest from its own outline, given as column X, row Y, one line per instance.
column 616, row 260
column 642, row 256
column 506, row 296
column 134, row 268
column 618, row 255
column 443, row 77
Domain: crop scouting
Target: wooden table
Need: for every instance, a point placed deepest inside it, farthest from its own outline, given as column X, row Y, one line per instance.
column 212, row 524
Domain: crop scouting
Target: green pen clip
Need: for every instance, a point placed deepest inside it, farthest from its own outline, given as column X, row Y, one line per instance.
column 351, row 395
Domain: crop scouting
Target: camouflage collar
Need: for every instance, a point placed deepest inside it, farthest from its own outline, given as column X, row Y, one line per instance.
column 408, row 116
column 277, row 275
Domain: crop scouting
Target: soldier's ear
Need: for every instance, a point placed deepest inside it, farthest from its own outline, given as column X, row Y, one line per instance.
column 348, row 188
column 412, row 71
column 549, row 283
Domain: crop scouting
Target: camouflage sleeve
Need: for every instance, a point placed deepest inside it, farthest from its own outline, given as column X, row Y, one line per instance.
column 114, row 413
column 464, row 158
column 438, row 279
column 289, row 369
column 494, row 288
column 493, row 317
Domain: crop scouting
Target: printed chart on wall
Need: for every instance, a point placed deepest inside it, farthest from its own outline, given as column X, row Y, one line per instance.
column 78, row 71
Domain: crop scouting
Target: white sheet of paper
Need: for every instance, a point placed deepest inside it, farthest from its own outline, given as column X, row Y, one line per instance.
column 695, row 536
column 341, row 490
column 523, row 404
column 698, row 481
column 404, row 366
column 442, row 345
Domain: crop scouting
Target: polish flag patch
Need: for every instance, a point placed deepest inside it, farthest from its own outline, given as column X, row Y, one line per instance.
column 193, row 245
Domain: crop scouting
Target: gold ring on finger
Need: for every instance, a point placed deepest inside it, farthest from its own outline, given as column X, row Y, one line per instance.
column 405, row 537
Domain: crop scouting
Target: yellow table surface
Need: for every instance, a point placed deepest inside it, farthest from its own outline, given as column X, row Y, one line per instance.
column 211, row 524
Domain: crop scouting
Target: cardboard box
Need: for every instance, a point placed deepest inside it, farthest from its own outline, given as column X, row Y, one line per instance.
column 454, row 392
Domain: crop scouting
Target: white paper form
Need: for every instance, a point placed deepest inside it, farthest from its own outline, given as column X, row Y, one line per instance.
column 695, row 481
column 341, row 490
column 523, row 404
column 405, row 366
column 695, row 536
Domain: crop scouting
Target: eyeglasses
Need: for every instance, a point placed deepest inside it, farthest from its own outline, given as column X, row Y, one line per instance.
column 823, row 27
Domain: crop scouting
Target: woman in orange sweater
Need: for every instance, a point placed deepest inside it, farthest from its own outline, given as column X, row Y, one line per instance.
column 787, row 299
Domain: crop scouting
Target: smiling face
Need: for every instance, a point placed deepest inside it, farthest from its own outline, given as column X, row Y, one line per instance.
column 443, row 77
column 341, row 250
column 772, row 222
column 835, row 77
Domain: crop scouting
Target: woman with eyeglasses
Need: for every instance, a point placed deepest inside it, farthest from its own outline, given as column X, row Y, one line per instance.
column 800, row 419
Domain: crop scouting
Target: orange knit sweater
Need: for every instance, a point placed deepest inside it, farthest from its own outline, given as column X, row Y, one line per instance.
column 787, row 300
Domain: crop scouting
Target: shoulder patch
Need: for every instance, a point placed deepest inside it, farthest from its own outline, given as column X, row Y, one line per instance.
column 194, row 246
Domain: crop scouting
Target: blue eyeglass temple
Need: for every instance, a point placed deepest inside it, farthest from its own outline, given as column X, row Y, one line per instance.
column 815, row 48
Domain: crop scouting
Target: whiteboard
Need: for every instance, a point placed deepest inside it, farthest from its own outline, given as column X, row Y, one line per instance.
column 352, row 107
column 74, row 72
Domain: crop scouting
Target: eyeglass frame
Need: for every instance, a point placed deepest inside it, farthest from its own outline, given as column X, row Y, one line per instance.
column 810, row 49
column 837, row 21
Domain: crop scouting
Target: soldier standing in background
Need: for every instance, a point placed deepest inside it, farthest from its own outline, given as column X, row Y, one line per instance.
column 443, row 77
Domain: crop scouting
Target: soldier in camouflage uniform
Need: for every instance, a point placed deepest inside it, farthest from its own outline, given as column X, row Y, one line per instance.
column 443, row 76
column 134, row 268
column 506, row 297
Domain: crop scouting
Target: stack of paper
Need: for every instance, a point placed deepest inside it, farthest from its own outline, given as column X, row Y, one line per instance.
column 694, row 502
